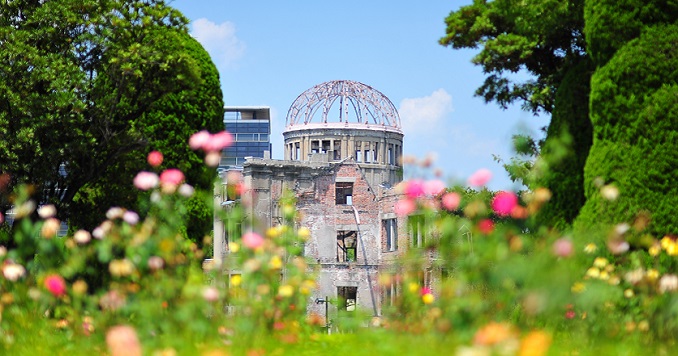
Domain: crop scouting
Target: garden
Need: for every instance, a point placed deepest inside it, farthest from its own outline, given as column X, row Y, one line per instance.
column 581, row 261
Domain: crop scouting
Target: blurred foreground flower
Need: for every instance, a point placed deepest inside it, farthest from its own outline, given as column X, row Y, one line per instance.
column 122, row 340
column 56, row 285
column 480, row 178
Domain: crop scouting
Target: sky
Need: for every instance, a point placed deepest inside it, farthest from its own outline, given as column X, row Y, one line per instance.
column 269, row 52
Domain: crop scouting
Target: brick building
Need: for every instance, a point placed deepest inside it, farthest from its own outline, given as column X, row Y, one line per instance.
column 341, row 162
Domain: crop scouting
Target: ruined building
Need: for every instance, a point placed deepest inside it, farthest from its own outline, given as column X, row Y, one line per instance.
column 342, row 158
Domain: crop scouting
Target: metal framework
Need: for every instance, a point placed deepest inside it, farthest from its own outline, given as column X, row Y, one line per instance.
column 368, row 105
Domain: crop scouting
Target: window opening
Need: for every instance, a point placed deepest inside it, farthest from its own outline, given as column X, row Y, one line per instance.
column 347, row 244
column 347, row 298
column 390, row 227
column 344, row 193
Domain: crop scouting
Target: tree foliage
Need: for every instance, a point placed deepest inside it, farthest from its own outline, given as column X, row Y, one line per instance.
column 634, row 110
column 541, row 37
column 75, row 78
column 166, row 127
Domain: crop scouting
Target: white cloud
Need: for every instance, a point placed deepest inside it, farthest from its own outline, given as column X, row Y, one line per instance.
column 424, row 114
column 219, row 40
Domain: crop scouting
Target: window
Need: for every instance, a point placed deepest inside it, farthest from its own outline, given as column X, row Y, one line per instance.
column 417, row 230
column 347, row 244
column 344, row 193
column 390, row 230
column 347, row 298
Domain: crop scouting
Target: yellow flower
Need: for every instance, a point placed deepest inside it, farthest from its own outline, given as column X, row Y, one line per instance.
column 604, row 275
column 629, row 293
column 304, row 233
column 652, row 274
column 286, row 290
column 672, row 249
column 233, row 247
column 643, row 325
column 578, row 287
column 593, row 272
column 665, row 242
column 654, row 250
column 428, row 298
column 590, row 248
column 121, row 268
column 413, row 287
column 600, row 262
column 275, row 263
column 236, row 279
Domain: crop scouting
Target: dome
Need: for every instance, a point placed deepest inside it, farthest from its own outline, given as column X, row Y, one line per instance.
column 343, row 101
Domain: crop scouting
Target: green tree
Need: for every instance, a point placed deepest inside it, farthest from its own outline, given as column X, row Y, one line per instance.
column 75, row 78
column 634, row 110
column 166, row 127
column 545, row 40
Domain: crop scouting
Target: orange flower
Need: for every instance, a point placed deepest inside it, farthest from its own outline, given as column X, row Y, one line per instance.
column 535, row 343
column 493, row 333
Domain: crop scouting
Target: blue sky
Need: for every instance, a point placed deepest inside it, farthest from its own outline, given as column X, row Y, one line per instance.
column 269, row 52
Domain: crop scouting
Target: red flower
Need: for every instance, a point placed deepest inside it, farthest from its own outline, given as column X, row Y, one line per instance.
column 486, row 226
column 56, row 285
column 171, row 176
column 504, row 202
column 154, row 158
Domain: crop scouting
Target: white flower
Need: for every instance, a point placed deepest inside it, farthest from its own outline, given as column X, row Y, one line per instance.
column 114, row 213
column 13, row 271
column 130, row 217
column 609, row 192
column 186, row 190
column 82, row 236
column 668, row 283
column 47, row 211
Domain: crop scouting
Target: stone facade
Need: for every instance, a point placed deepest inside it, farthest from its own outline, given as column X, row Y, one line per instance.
column 348, row 239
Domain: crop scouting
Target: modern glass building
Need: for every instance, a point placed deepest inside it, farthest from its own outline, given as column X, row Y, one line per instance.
column 251, row 130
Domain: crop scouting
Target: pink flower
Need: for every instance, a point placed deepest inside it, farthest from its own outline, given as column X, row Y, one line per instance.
column 198, row 139
column 504, row 202
column 154, row 158
column 486, row 226
column 56, row 285
column 425, row 290
column 404, row 207
column 451, row 201
column 171, row 176
column 563, row 248
column 218, row 142
column 252, row 240
column 146, row 180
column 480, row 178
column 414, row 188
column 434, row 187
column 123, row 340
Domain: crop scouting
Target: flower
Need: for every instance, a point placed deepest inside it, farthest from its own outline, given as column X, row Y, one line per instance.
column 186, row 190
column 13, row 271
column 47, row 211
column 130, row 217
column 114, row 213
column 493, row 333
column 414, row 188
column 155, row 263
column 563, row 247
column 486, row 226
column 428, row 298
column 50, row 228
column 451, row 201
column 213, row 158
column 123, row 340
column 218, row 141
column 252, row 240
column 236, row 279
column 210, row 294
column 504, row 202
column 668, row 283
column 535, row 343
column 304, row 233
column 154, row 158
column 434, row 187
column 171, row 176
column 198, row 139
column 609, row 192
column 82, row 236
column 480, row 178
column 121, row 268
column 56, row 285
column 404, row 207
column 590, row 248
column 285, row 290
column 146, row 180
column 275, row 262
